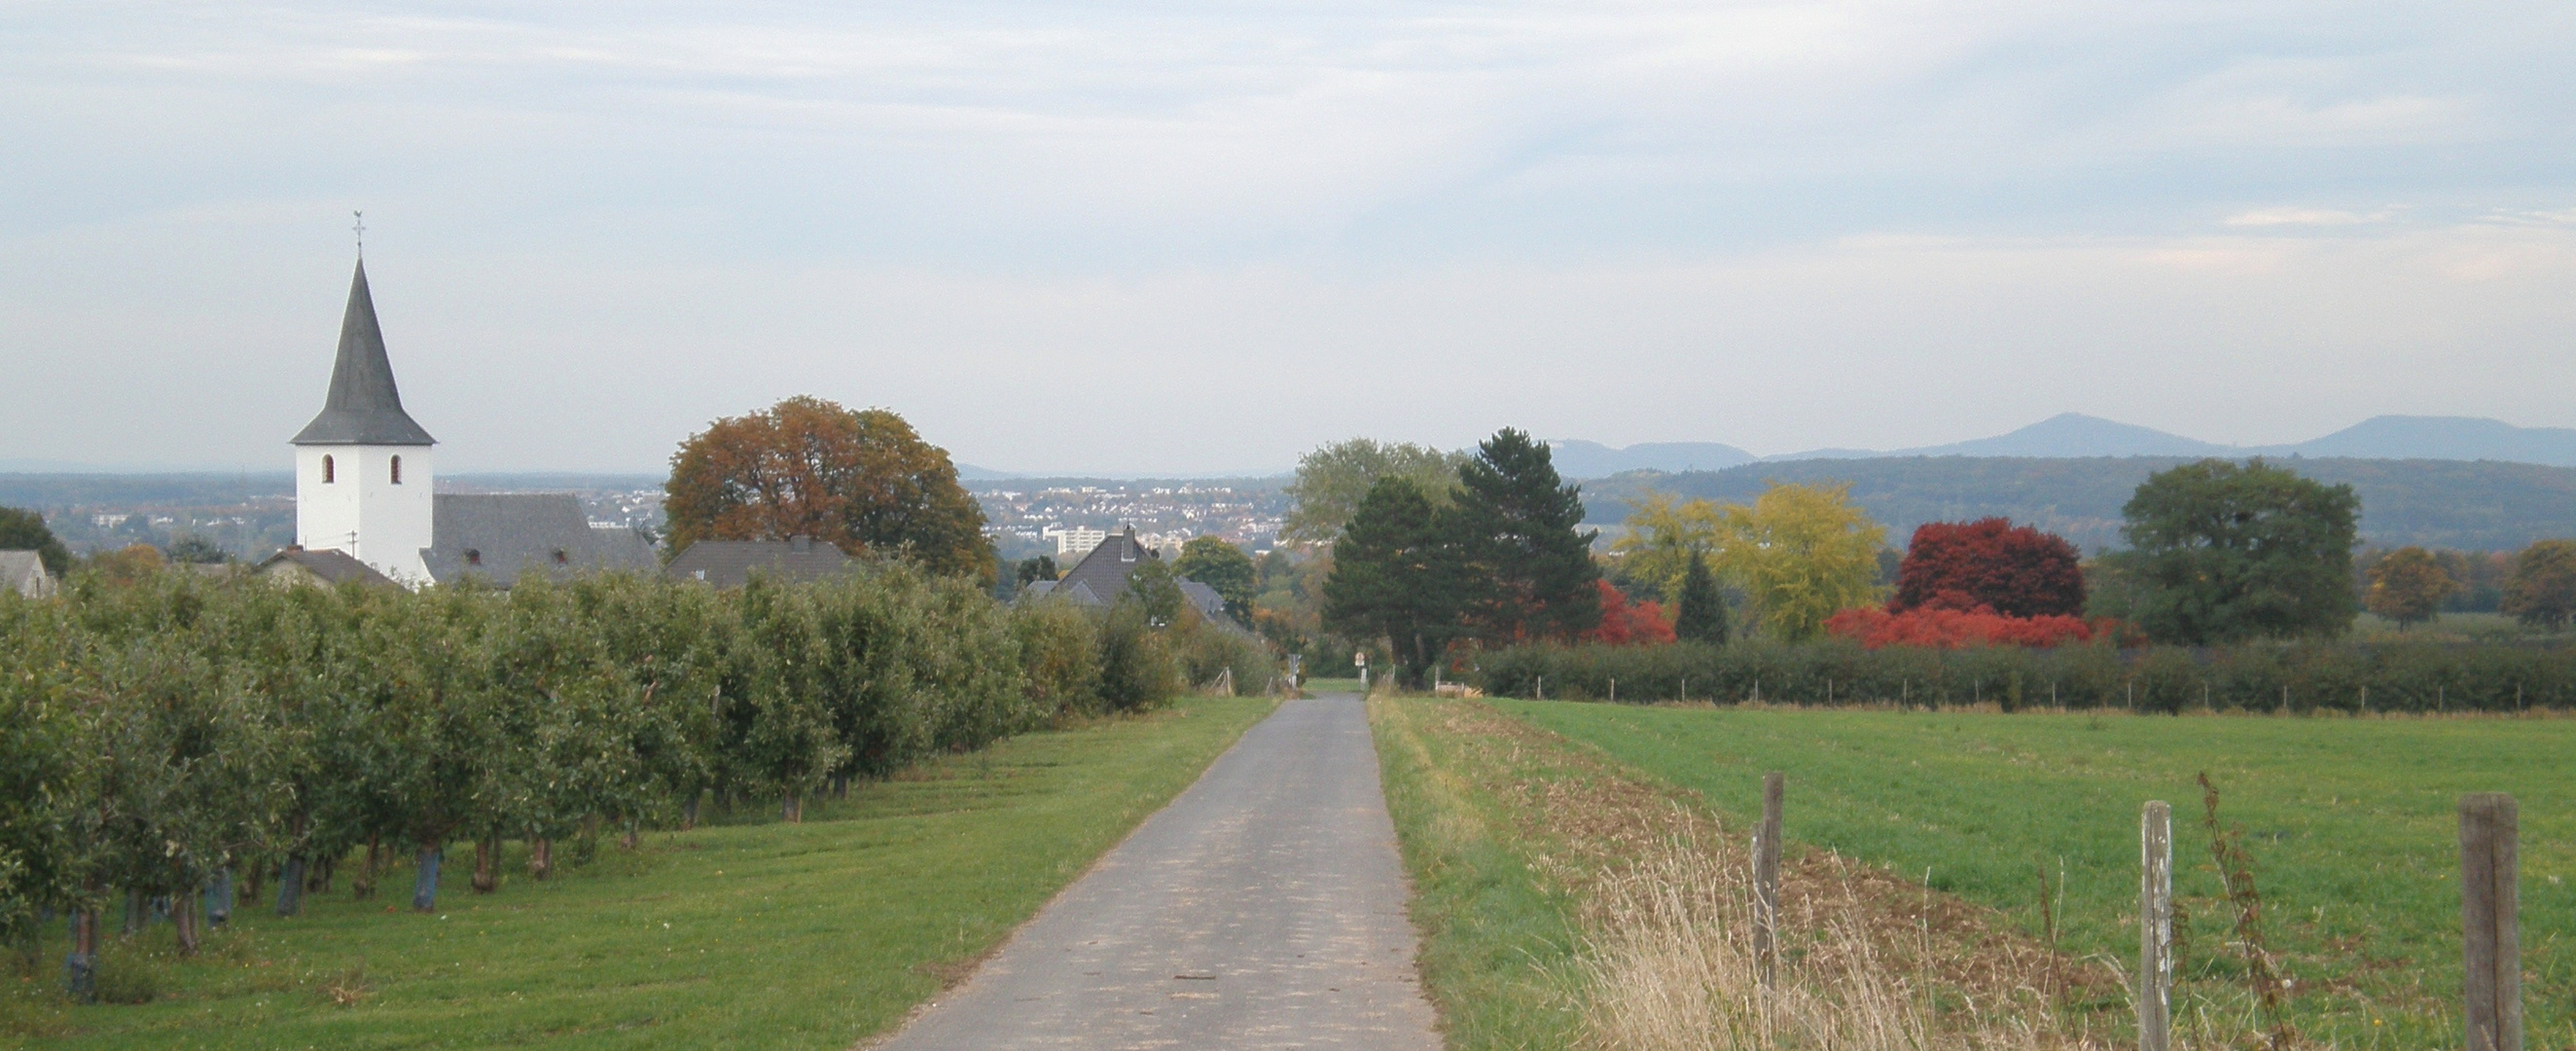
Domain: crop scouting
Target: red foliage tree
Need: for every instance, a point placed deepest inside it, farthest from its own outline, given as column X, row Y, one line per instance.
column 1623, row 624
column 1991, row 564
column 1950, row 629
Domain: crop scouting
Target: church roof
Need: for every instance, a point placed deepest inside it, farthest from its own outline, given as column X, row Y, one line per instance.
column 363, row 407
column 730, row 563
column 502, row 536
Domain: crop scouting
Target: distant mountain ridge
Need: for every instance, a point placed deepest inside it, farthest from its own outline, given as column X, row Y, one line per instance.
column 2075, row 435
column 2471, row 506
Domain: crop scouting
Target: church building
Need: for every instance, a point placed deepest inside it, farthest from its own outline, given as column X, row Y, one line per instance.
column 363, row 477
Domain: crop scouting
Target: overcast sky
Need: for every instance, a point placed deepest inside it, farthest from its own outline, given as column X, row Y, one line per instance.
column 1200, row 237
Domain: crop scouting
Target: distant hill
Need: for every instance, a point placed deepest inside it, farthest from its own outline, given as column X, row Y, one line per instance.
column 2065, row 434
column 2443, row 438
column 2469, row 505
column 2074, row 434
column 1582, row 459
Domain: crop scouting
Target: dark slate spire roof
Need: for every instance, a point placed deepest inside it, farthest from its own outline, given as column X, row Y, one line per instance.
column 364, row 408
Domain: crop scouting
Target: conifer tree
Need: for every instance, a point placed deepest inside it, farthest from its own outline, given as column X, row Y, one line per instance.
column 1531, row 565
column 1396, row 576
column 1701, row 612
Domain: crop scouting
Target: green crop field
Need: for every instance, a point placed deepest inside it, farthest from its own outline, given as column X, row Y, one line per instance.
column 2352, row 823
column 757, row 934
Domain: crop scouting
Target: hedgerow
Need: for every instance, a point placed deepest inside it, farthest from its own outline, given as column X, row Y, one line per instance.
column 2296, row 677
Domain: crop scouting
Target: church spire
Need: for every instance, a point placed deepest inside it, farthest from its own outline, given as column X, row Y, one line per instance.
column 363, row 407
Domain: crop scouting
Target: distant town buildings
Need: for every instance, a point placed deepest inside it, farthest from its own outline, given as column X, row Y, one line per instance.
column 1073, row 542
column 1066, row 521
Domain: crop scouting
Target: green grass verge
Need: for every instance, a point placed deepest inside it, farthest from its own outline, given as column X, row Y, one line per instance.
column 2352, row 824
column 752, row 935
column 1497, row 946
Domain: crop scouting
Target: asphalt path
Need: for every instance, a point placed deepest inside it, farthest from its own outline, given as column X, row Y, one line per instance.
column 1264, row 908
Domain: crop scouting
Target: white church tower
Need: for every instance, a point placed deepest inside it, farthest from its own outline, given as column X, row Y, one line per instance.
column 362, row 467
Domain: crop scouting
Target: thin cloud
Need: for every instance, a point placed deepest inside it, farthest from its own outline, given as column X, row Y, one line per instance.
column 1631, row 220
column 2303, row 217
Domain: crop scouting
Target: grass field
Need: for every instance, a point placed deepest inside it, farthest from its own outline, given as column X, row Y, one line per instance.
column 2351, row 822
column 1498, row 941
column 2449, row 627
column 750, row 935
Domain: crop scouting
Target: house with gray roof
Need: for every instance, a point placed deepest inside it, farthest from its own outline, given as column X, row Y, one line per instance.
column 731, row 563
column 24, row 573
column 324, row 568
column 1102, row 576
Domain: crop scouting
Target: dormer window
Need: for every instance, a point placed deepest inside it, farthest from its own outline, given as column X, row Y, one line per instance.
column 397, row 470
column 330, row 472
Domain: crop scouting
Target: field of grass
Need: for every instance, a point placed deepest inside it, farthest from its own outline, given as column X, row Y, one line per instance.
column 2351, row 822
column 745, row 935
column 2449, row 627
column 1498, row 942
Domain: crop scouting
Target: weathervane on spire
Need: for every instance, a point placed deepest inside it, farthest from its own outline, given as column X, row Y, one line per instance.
column 361, row 229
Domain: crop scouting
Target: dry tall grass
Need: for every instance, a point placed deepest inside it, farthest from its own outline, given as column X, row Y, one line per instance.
column 1672, row 968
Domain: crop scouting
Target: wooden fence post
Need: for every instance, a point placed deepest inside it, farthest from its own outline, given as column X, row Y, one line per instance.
column 2490, row 902
column 2155, row 927
column 1766, row 880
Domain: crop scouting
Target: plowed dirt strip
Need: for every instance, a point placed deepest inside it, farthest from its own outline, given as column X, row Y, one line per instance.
column 1584, row 820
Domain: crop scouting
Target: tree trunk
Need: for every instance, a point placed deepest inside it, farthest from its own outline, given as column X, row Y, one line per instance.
column 633, row 837
column 134, row 913
column 689, row 813
column 487, row 861
column 323, row 869
column 290, row 886
column 80, row 968
column 541, row 857
column 792, row 809
column 252, row 880
column 363, row 886
column 183, row 918
column 424, row 886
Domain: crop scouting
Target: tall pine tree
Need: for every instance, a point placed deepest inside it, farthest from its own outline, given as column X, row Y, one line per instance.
column 1396, row 576
column 1532, row 568
column 1701, row 612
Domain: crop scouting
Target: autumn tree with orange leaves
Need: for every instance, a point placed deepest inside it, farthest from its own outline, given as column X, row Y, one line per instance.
column 862, row 480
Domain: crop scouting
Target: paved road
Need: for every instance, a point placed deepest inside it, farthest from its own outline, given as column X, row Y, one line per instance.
column 1263, row 909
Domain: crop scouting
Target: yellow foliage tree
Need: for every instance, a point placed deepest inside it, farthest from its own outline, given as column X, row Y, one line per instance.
column 1801, row 553
column 1663, row 534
